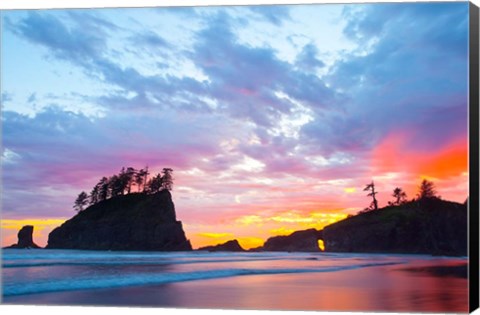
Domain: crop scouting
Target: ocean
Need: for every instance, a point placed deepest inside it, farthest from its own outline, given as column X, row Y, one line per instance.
column 265, row 280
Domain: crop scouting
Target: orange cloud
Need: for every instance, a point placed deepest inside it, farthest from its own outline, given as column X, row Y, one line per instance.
column 253, row 230
column 452, row 161
column 393, row 155
column 216, row 235
column 447, row 166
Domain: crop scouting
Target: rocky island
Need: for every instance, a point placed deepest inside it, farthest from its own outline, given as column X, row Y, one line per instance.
column 230, row 246
column 25, row 238
column 426, row 226
column 299, row 241
column 136, row 221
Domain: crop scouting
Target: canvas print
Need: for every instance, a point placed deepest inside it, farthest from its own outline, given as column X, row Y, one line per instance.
column 281, row 157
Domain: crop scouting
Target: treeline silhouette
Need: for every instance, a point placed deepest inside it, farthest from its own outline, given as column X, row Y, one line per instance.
column 425, row 191
column 128, row 180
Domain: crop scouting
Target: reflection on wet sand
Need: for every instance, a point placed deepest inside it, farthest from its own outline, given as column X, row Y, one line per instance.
column 385, row 288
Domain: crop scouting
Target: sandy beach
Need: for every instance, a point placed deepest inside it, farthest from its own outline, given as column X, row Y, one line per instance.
column 385, row 288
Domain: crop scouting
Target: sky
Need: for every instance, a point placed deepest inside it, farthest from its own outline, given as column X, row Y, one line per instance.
column 273, row 118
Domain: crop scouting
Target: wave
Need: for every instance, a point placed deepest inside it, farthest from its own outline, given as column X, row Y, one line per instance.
column 107, row 282
column 126, row 263
column 46, row 258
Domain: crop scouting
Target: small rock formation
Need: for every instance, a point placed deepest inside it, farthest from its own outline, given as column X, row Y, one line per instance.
column 134, row 221
column 230, row 246
column 430, row 226
column 299, row 241
column 25, row 238
column 256, row 249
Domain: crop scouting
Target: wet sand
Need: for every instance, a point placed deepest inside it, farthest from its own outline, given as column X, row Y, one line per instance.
column 387, row 288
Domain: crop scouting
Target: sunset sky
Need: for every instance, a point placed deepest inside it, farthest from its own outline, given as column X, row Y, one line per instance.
column 273, row 118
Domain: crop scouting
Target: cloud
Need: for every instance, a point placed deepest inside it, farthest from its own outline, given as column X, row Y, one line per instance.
column 61, row 152
column 149, row 39
column 307, row 60
column 72, row 44
column 247, row 133
column 398, row 77
column 32, row 98
column 277, row 15
column 6, row 97
column 247, row 80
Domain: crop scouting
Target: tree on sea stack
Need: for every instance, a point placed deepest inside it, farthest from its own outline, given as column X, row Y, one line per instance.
column 140, row 178
column 167, row 179
column 130, row 178
column 400, row 197
column 104, row 191
column 427, row 190
column 81, row 201
column 371, row 187
column 155, row 184
column 121, row 184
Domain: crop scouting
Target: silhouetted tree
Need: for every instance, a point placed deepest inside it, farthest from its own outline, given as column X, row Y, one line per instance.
column 128, row 177
column 122, row 181
column 95, row 194
column 400, row 197
column 81, row 201
column 167, row 179
column 371, row 187
column 155, row 184
column 140, row 178
column 104, row 189
column 145, row 177
column 427, row 190
column 115, row 185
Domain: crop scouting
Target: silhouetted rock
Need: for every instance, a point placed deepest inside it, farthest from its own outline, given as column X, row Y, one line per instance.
column 299, row 241
column 130, row 222
column 429, row 226
column 256, row 249
column 25, row 238
column 230, row 246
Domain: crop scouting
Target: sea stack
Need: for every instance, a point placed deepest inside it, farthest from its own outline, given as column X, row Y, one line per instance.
column 138, row 221
column 428, row 226
column 25, row 238
column 230, row 246
column 299, row 241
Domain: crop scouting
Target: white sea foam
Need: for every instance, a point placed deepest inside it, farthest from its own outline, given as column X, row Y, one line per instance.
column 102, row 282
column 40, row 271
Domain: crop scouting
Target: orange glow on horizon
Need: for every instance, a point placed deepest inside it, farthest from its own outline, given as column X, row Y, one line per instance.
column 42, row 227
column 253, row 230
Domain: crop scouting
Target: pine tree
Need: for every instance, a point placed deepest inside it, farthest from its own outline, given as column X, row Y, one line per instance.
column 95, row 194
column 167, row 179
column 140, row 179
column 427, row 190
column 155, row 184
column 371, row 187
column 81, row 201
column 104, row 189
column 400, row 197
column 130, row 178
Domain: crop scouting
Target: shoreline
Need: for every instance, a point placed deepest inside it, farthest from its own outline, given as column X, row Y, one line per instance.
column 396, row 289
